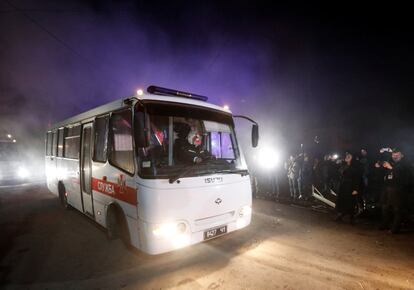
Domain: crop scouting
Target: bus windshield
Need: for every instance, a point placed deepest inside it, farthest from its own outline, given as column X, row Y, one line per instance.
column 187, row 141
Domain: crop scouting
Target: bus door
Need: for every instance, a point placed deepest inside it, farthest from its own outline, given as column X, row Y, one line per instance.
column 86, row 166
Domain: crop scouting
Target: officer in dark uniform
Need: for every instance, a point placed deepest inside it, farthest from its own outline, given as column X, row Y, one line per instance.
column 184, row 151
column 350, row 180
column 397, row 181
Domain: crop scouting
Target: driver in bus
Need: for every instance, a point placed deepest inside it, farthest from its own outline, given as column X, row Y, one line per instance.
column 188, row 147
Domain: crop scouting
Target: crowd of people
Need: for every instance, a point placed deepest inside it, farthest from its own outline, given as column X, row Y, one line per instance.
column 358, row 181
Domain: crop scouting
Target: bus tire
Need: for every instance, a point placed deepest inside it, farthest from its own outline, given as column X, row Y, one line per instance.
column 111, row 224
column 116, row 225
column 62, row 196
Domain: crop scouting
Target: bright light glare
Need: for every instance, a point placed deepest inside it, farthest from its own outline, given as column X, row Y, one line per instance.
column 268, row 157
column 61, row 173
column 140, row 92
column 245, row 211
column 180, row 241
column 241, row 223
column 226, row 107
column 9, row 136
column 165, row 230
column 23, row 172
column 14, row 140
column 335, row 156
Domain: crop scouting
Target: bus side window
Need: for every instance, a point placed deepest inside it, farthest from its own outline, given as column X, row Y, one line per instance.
column 101, row 137
column 72, row 142
column 60, row 142
column 221, row 145
column 54, row 144
column 226, row 146
column 121, row 154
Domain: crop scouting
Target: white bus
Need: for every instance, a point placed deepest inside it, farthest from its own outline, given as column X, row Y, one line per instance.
column 123, row 165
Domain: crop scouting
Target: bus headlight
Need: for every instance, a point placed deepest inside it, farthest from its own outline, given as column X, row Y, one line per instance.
column 169, row 229
column 23, row 172
column 245, row 211
column 181, row 228
column 175, row 233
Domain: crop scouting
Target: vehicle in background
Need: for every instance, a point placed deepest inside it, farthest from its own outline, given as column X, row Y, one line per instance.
column 16, row 167
column 119, row 164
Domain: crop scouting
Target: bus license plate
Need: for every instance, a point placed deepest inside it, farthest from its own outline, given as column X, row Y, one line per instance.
column 215, row 232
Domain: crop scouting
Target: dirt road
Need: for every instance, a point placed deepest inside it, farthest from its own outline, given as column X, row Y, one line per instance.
column 45, row 247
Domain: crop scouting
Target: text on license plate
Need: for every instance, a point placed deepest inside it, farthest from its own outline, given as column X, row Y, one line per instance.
column 209, row 234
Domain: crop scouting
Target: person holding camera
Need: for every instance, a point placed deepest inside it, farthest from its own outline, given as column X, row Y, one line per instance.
column 397, row 184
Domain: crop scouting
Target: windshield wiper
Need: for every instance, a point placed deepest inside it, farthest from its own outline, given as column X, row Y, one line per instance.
column 182, row 174
column 242, row 172
column 188, row 170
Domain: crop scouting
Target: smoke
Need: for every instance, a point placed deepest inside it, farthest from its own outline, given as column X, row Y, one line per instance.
column 60, row 58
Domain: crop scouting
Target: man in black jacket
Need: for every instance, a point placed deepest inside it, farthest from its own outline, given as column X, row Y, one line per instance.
column 184, row 151
column 397, row 184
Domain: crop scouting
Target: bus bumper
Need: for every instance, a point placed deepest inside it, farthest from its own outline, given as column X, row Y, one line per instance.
column 154, row 243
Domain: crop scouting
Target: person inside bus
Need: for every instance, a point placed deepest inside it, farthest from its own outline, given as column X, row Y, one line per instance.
column 158, row 148
column 156, row 154
column 188, row 151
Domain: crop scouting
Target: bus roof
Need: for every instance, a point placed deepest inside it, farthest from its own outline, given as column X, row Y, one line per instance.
column 120, row 103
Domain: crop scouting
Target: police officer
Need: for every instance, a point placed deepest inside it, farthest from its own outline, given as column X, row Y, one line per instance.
column 397, row 181
column 186, row 152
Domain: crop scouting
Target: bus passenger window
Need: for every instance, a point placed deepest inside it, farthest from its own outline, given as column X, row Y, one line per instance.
column 122, row 154
column 72, row 142
column 60, row 142
column 101, row 135
column 54, row 144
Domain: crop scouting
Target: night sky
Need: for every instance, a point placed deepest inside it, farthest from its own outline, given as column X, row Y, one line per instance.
column 342, row 72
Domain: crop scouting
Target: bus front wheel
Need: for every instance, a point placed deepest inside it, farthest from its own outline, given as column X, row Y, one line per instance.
column 116, row 225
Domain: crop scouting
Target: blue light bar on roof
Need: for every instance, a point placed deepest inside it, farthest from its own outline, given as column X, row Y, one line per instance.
column 169, row 92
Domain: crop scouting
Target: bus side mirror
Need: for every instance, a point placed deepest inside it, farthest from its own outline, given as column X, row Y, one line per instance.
column 255, row 135
column 141, row 133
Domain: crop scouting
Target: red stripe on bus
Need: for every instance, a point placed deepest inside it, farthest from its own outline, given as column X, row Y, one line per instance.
column 115, row 190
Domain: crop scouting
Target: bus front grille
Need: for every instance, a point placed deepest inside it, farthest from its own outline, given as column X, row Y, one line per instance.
column 215, row 220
